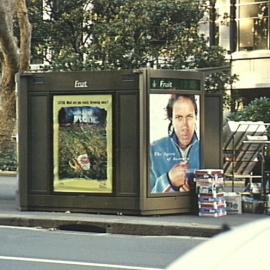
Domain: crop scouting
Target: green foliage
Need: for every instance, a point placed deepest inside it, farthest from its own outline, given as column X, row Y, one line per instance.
column 58, row 33
column 126, row 34
column 256, row 110
column 143, row 32
column 79, row 139
column 8, row 158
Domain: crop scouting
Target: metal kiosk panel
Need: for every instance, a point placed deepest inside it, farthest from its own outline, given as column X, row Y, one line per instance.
column 84, row 140
column 164, row 89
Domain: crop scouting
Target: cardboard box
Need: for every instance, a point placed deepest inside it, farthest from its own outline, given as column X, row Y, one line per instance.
column 233, row 202
column 254, row 207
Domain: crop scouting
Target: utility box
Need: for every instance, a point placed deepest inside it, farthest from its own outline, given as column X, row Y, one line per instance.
column 92, row 141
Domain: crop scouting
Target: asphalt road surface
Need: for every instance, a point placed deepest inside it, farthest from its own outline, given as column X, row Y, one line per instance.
column 32, row 248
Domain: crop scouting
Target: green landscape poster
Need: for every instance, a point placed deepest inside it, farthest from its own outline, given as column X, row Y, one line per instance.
column 82, row 131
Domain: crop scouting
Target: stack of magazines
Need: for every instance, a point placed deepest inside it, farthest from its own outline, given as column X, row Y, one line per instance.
column 210, row 190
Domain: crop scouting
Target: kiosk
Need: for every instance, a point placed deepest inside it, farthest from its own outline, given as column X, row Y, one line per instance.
column 85, row 139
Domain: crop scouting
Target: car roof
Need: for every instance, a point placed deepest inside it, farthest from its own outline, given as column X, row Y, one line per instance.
column 246, row 247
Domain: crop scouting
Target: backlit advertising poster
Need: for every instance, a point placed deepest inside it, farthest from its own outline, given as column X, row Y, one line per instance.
column 82, row 131
column 174, row 152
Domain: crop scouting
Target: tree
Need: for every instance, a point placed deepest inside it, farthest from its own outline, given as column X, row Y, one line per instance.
column 127, row 34
column 61, row 33
column 146, row 32
column 110, row 34
column 14, row 57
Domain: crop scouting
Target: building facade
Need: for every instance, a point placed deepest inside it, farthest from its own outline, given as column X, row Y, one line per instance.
column 242, row 28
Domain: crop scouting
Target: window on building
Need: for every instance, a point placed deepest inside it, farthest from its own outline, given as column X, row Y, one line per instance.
column 223, row 23
column 252, row 25
column 217, row 23
column 240, row 24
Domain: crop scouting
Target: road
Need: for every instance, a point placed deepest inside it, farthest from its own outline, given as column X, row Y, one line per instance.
column 31, row 248
column 36, row 248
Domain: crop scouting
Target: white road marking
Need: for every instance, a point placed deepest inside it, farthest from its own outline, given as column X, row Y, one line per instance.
column 23, row 228
column 37, row 260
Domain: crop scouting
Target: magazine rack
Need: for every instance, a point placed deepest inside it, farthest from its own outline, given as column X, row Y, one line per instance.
column 245, row 145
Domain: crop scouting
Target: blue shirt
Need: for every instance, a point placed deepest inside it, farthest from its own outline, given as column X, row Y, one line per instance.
column 164, row 154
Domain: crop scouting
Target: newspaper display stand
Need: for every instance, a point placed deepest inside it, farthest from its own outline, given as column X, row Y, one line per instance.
column 210, row 190
column 84, row 139
column 246, row 144
column 240, row 151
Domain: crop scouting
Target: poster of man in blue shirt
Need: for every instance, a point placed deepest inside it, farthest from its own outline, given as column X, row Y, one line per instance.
column 176, row 155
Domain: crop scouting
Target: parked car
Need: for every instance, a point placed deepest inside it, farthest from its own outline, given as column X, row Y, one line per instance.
column 244, row 247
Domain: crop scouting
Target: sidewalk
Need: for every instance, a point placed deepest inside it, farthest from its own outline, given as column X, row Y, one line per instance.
column 180, row 224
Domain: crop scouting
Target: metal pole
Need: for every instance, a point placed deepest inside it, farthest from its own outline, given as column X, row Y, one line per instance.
column 212, row 23
column 233, row 28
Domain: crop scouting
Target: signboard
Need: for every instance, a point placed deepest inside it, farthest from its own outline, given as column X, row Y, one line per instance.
column 82, row 143
column 174, row 152
column 172, row 83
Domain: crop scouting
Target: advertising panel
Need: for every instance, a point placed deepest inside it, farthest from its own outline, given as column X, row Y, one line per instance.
column 174, row 142
column 82, row 136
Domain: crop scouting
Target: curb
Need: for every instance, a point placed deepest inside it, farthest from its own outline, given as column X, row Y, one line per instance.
column 8, row 173
column 112, row 227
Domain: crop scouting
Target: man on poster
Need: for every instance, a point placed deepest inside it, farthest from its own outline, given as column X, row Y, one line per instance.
column 175, row 157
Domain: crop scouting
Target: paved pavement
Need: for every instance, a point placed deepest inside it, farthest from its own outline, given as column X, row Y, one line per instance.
column 180, row 224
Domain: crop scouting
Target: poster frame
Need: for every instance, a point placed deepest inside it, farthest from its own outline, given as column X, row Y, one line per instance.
column 173, row 88
column 88, row 186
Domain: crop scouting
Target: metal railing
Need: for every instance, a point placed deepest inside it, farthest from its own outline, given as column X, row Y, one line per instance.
column 246, row 145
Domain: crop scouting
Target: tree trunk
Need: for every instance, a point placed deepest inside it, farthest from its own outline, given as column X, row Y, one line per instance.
column 9, row 50
column 25, row 35
column 13, row 59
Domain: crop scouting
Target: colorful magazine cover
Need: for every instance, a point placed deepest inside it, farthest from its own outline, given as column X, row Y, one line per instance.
column 82, row 134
